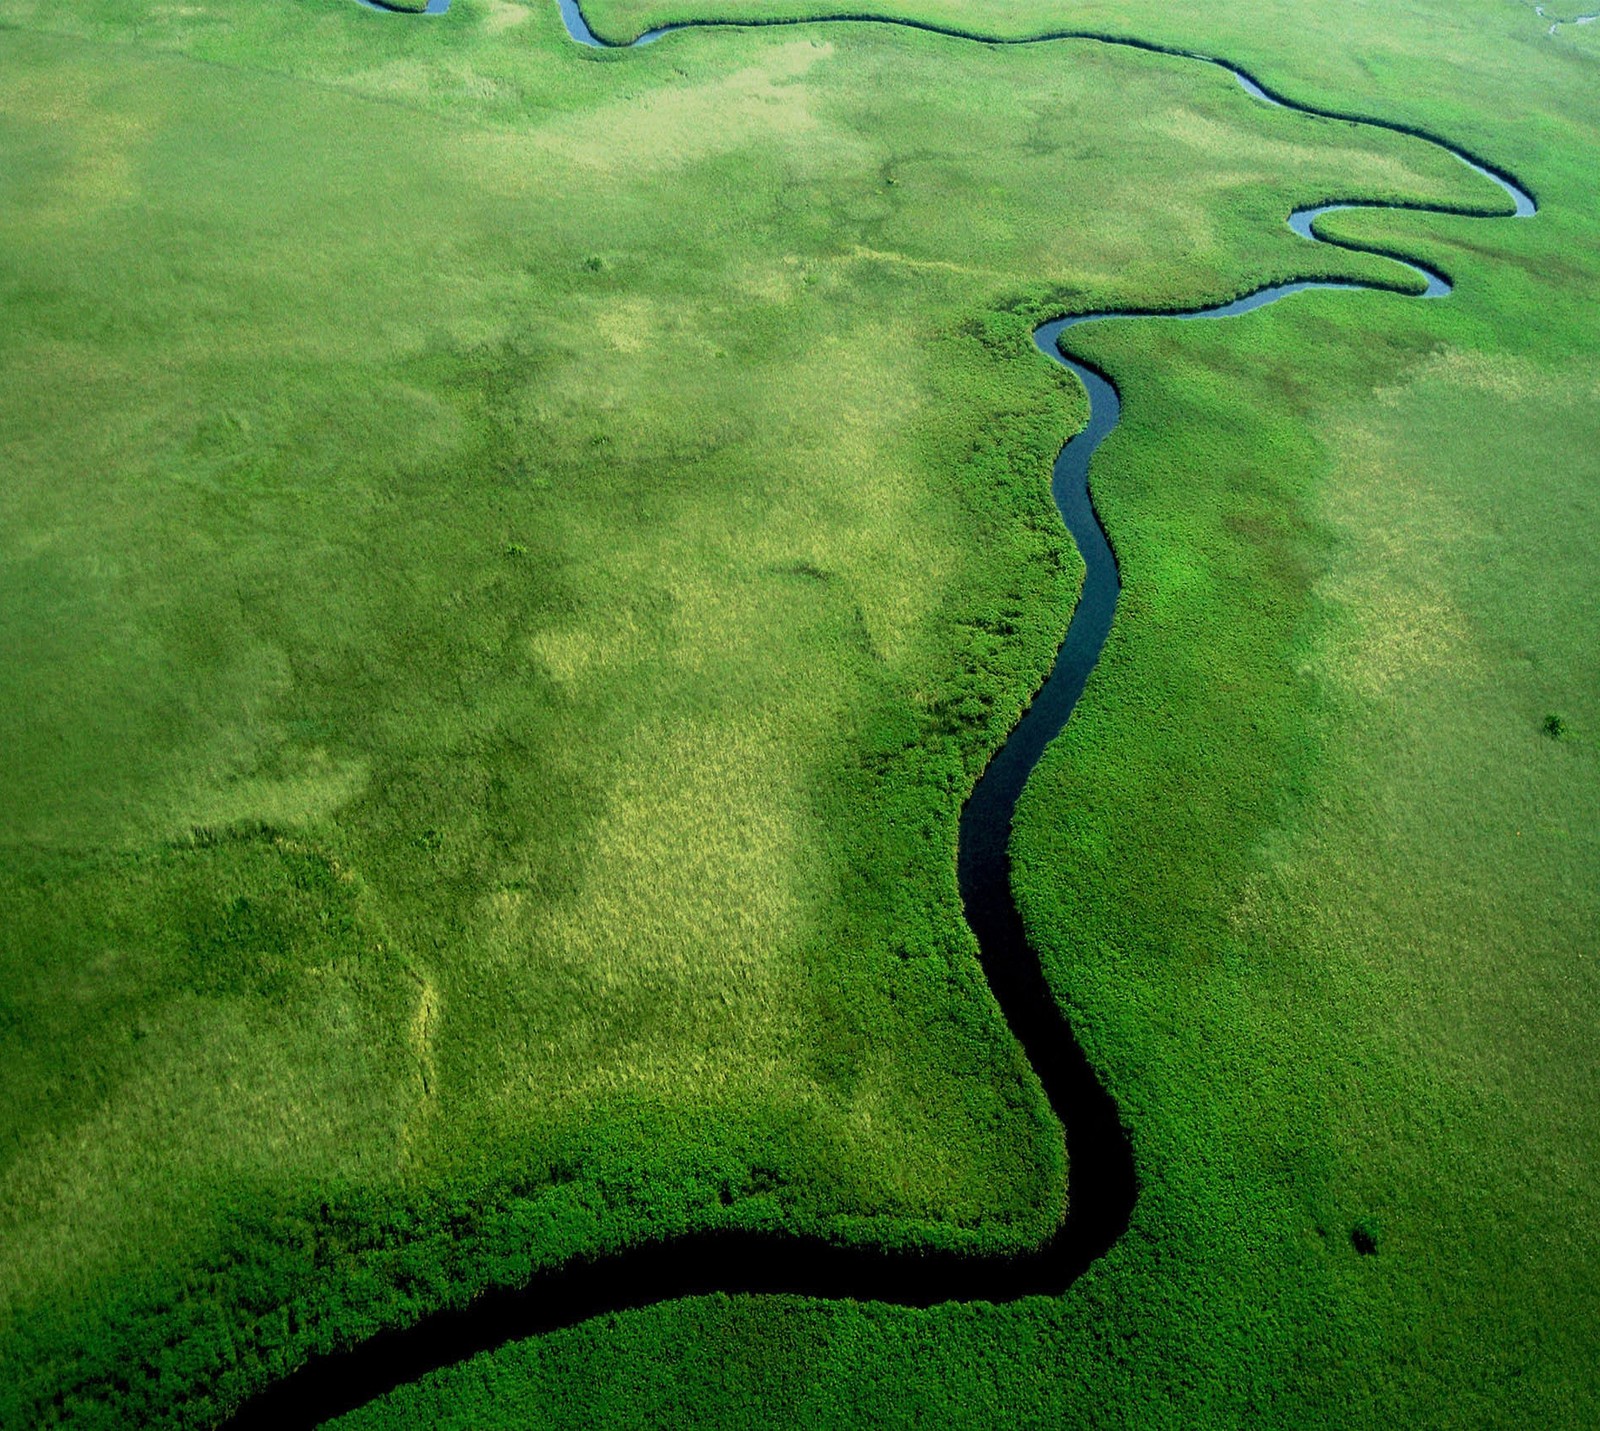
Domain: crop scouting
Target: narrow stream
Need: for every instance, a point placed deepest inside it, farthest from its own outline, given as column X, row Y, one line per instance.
column 1555, row 25
column 1103, row 1182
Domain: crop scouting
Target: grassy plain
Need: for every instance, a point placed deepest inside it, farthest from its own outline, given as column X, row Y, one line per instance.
column 1318, row 886
column 512, row 565
column 515, row 557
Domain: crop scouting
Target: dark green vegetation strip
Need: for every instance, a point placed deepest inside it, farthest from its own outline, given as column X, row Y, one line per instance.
column 1118, row 1337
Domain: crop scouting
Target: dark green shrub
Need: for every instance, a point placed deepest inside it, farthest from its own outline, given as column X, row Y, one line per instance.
column 1364, row 1236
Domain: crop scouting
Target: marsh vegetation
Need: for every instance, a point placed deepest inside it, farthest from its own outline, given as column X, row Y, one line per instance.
column 512, row 560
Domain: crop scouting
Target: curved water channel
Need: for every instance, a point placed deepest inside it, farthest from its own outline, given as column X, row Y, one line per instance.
column 1555, row 25
column 1103, row 1183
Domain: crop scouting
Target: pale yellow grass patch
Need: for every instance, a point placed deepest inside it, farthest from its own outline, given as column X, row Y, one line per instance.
column 315, row 786
column 771, row 283
column 667, row 128
column 422, row 1038
column 219, row 1096
column 424, row 1028
column 856, row 507
column 860, row 253
column 1403, row 633
column 100, row 142
column 1502, row 376
column 701, row 888
column 1405, row 534
column 501, row 15
column 627, row 325
column 1224, row 144
column 416, row 82
column 572, row 656
column 1394, row 580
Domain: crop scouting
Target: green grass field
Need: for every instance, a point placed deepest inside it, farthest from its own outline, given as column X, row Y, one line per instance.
column 512, row 558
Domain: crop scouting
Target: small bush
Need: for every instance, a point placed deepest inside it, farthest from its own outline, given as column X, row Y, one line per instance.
column 1554, row 727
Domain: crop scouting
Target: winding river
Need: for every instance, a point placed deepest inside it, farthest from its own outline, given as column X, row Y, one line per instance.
column 1099, row 1155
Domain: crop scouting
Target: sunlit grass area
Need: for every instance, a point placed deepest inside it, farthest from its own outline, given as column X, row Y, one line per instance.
column 510, row 561
column 1315, row 863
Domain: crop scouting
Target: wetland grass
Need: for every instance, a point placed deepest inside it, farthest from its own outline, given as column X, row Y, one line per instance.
column 515, row 559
